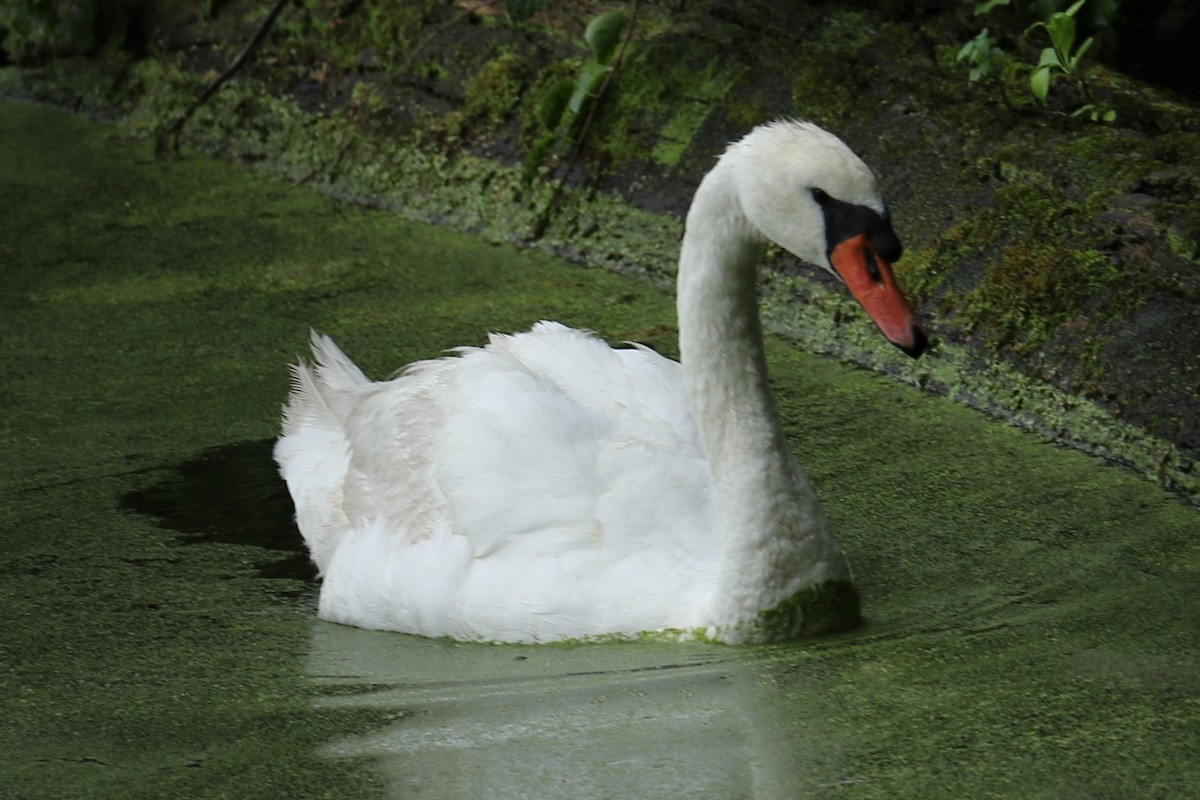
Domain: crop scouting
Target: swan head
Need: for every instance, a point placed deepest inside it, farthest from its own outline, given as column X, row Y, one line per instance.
column 804, row 189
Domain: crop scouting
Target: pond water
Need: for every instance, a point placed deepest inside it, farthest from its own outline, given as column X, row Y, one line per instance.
column 1031, row 623
column 570, row 721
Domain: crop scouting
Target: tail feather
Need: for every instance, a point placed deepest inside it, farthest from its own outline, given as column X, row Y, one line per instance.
column 323, row 393
column 336, row 369
column 313, row 453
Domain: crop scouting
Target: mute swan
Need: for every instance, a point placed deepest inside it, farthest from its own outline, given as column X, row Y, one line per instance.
column 549, row 487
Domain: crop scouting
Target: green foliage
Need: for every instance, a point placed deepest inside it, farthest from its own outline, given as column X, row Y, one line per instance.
column 1096, row 14
column 983, row 8
column 554, row 104
column 25, row 17
column 1063, row 58
column 603, row 34
column 561, row 110
column 493, row 92
column 27, row 24
column 981, row 53
column 387, row 30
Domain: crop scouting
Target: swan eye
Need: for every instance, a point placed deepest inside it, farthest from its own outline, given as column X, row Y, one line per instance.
column 872, row 265
column 846, row 220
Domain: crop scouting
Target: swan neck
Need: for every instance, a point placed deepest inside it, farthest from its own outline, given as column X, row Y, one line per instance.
column 720, row 332
column 774, row 536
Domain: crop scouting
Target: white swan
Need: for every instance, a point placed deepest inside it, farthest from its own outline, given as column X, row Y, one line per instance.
column 549, row 487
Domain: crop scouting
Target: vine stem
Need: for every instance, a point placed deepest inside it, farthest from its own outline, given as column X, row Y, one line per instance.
column 161, row 144
column 543, row 220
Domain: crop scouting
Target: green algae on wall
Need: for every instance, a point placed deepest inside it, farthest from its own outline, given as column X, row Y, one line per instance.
column 700, row 93
column 658, row 102
column 494, row 92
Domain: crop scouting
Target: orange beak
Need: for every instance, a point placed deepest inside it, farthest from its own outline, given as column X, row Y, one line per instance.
column 873, row 285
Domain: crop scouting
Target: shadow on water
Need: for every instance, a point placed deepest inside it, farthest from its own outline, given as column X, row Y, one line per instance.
column 231, row 495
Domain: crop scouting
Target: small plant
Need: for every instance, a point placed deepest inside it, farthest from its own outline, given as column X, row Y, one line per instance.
column 981, row 53
column 1061, row 59
column 1064, row 58
column 562, row 106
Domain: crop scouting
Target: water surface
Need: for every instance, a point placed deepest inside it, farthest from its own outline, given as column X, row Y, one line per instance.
column 1031, row 631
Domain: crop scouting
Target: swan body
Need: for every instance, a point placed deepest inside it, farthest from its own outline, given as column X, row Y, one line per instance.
column 547, row 486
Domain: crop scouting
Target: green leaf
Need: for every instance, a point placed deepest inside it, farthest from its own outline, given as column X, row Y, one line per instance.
column 1049, row 58
column 1083, row 48
column 1039, row 82
column 1062, row 32
column 586, row 84
column 537, row 157
column 553, row 104
column 1074, row 9
column 1096, row 112
column 603, row 35
column 978, row 48
column 981, row 52
column 983, row 8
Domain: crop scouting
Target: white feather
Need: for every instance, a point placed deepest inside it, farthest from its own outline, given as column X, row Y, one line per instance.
column 547, row 486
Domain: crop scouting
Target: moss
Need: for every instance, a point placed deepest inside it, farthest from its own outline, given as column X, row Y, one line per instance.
column 828, row 607
column 925, row 270
column 818, row 95
column 492, row 94
column 1033, row 289
column 382, row 32
column 1150, row 110
column 1046, row 271
column 837, row 63
column 704, row 89
column 659, row 102
column 1187, row 248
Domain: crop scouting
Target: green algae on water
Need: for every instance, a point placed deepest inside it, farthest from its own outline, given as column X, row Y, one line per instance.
column 1029, row 624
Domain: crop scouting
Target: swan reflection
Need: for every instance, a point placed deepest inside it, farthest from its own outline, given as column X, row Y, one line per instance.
column 606, row 720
